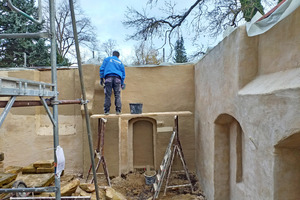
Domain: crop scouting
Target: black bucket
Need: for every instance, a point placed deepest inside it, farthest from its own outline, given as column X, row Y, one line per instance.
column 136, row 108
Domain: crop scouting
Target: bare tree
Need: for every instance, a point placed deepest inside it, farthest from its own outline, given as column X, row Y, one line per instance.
column 109, row 46
column 64, row 31
column 203, row 17
column 145, row 55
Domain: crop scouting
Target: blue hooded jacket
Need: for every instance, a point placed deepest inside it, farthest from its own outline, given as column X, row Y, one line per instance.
column 112, row 66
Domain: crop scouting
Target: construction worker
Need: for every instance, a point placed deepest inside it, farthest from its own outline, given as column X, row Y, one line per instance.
column 113, row 71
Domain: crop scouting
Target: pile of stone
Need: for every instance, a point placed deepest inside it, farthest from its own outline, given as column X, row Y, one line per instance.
column 39, row 167
column 41, row 174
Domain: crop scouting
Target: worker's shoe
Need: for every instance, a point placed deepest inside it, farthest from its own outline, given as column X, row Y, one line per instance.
column 106, row 113
column 118, row 112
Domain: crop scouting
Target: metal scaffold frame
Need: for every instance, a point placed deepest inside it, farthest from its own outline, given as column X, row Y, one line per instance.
column 19, row 87
column 12, row 87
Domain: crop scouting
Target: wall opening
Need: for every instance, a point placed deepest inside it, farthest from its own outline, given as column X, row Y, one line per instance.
column 143, row 150
column 228, row 156
column 239, row 153
column 287, row 168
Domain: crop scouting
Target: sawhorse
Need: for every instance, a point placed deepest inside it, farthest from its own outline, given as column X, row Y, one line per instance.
column 99, row 152
column 167, row 163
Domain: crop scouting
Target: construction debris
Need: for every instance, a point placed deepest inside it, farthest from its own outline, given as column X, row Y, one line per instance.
column 6, row 178
column 70, row 188
column 13, row 169
column 36, row 180
column 39, row 167
column 131, row 186
column 88, row 187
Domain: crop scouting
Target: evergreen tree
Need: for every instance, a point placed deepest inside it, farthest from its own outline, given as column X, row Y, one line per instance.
column 180, row 53
column 250, row 8
column 12, row 50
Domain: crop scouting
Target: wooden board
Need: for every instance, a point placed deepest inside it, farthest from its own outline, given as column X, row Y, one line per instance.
column 153, row 114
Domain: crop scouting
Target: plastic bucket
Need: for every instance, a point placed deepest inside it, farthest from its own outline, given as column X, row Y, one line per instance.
column 150, row 177
column 136, row 108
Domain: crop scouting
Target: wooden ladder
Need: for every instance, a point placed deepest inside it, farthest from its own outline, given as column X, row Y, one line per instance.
column 167, row 163
column 99, row 152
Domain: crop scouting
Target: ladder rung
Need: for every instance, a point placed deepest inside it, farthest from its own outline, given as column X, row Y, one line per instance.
column 98, row 173
column 166, row 157
column 155, row 186
column 158, row 176
column 161, row 167
column 177, row 186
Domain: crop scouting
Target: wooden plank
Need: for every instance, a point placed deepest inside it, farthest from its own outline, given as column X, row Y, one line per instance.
column 152, row 114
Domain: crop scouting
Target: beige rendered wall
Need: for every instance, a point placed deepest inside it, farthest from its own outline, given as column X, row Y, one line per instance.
column 252, row 83
column 26, row 135
column 160, row 89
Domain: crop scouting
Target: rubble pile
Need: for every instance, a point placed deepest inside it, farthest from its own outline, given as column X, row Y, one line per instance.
column 129, row 186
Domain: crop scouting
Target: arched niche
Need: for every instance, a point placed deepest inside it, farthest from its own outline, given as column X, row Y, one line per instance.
column 228, row 156
column 142, row 135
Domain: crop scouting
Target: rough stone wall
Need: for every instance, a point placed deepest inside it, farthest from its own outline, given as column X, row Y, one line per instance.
column 247, row 110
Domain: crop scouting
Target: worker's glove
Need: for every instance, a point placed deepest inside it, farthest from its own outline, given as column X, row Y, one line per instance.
column 123, row 86
column 102, row 81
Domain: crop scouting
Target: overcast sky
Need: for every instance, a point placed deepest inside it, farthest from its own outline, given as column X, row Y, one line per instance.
column 107, row 17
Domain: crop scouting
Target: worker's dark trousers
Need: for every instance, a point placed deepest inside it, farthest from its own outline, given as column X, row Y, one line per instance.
column 112, row 83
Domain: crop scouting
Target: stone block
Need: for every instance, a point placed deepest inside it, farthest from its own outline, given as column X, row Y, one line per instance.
column 30, row 169
column 69, row 188
column 1, row 167
column 37, row 180
column 6, row 178
column 13, row 169
column 87, row 187
column 41, row 170
column 113, row 195
column 44, row 164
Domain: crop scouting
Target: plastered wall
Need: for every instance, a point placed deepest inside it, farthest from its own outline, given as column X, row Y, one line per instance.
column 159, row 89
column 251, row 83
column 242, row 139
column 27, row 134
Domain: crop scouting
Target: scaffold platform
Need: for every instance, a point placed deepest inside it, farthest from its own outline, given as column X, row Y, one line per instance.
column 21, row 87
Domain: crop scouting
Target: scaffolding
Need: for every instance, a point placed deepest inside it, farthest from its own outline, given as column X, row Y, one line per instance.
column 13, row 88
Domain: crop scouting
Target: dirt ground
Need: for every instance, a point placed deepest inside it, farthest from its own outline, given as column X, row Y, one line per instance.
column 133, row 186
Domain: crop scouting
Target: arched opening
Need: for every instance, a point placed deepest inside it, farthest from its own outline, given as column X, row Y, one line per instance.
column 287, row 168
column 228, row 163
column 143, row 145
